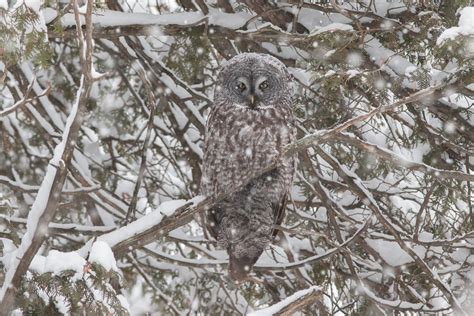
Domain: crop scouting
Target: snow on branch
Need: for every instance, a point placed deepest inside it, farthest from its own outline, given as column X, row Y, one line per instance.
column 173, row 214
column 465, row 26
column 168, row 216
column 155, row 220
column 148, row 23
column 26, row 188
column 59, row 228
column 292, row 303
column 402, row 161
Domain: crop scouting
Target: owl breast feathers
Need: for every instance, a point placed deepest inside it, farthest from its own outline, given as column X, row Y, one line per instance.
column 249, row 125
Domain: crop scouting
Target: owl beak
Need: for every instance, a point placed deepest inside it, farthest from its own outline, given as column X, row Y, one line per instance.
column 252, row 100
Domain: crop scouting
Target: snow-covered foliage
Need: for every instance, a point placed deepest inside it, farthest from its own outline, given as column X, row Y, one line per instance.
column 465, row 28
column 381, row 217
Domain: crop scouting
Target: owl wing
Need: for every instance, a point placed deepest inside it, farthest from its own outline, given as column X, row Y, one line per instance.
column 214, row 170
column 214, row 149
column 233, row 151
column 212, row 222
column 279, row 212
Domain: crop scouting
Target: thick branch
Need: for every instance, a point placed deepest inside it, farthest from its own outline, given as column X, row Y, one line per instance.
column 293, row 303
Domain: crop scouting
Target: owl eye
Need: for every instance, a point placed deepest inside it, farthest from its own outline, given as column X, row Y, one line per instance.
column 241, row 86
column 263, row 85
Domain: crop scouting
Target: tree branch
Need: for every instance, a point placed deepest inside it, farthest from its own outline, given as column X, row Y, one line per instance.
column 402, row 161
column 293, row 303
column 25, row 99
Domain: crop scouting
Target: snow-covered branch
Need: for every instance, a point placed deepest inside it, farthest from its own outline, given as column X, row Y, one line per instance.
column 292, row 303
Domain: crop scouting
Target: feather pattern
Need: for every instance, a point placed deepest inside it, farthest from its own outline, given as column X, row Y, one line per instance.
column 239, row 142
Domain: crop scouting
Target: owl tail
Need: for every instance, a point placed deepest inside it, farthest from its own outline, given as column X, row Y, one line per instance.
column 240, row 267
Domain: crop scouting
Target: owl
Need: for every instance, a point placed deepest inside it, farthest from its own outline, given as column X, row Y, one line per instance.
column 249, row 125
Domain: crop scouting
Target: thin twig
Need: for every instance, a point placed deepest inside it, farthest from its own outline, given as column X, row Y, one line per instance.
column 25, row 99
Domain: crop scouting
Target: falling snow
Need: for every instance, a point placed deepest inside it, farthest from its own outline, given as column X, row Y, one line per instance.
column 383, row 185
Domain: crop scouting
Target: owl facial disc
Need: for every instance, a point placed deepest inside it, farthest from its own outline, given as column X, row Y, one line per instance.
column 253, row 82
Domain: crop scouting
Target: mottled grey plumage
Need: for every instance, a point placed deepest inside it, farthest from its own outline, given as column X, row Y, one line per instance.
column 248, row 127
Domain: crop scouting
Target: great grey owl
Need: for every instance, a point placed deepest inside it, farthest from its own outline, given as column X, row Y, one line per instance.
column 250, row 123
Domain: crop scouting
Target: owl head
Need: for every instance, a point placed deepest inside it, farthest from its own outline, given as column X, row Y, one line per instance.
column 253, row 81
